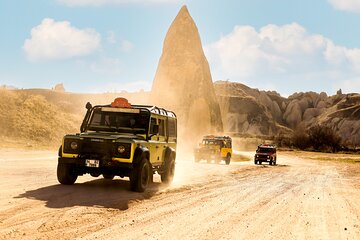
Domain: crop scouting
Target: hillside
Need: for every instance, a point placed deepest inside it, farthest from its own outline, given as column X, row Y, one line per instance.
column 38, row 118
column 248, row 111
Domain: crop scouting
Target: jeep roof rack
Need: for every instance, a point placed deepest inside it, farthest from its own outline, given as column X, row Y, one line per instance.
column 150, row 108
column 217, row 137
column 267, row 145
column 156, row 110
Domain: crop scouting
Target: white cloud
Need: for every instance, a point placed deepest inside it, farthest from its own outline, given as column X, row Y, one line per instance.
column 346, row 5
column 53, row 40
column 111, row 38
column 126, row 46
column 74, row 3
column 288, row 56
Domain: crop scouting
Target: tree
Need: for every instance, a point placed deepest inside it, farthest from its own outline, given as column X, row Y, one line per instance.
column 323, row 138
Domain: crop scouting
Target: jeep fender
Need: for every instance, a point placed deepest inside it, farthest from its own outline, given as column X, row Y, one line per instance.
column 139, row 152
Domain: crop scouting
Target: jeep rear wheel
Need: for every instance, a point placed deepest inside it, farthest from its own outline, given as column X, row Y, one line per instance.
column 140, row 176
column 168, row 175
column 66, row 174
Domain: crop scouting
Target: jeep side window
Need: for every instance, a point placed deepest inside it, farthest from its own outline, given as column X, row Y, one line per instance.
column 161, row 127
column 172, row 127
column 152, row 123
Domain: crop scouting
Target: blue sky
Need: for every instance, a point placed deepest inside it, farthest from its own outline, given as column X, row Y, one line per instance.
column 114, row 45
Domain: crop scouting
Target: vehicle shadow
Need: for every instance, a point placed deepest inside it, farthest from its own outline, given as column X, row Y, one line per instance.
column 114, row 194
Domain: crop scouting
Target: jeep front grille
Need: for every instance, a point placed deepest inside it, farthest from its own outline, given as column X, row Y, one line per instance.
column 97, row 148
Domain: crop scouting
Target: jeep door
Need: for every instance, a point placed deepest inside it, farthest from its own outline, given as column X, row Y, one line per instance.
column 162, row 137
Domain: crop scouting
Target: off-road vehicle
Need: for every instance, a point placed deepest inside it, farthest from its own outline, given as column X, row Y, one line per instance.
column 121, row 139
column 265, row 153
column 214, row 148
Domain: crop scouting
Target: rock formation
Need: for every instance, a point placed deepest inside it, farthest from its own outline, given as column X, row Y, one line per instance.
column 183, row 80
column 59, row 87
column 249, row 111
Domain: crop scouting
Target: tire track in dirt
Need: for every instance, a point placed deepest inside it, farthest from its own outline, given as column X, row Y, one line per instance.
column 299, row 199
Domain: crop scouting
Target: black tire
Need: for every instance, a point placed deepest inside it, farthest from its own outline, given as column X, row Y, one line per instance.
column 228, row 159
column 259, row 162
column 108, row 176
column 140, row 176
column 60, row 151
column 66, row 174
column 168, row 175
column 94, row 174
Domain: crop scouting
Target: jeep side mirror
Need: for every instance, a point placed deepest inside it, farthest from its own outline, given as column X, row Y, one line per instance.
column 86, row 118
column 88, row 106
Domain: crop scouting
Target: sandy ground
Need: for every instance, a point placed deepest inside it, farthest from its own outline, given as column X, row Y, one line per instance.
column 297, row 199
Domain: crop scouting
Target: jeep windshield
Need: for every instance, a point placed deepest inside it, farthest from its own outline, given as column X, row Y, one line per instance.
column 265, row 150
column 211, row 142
column 119, row 120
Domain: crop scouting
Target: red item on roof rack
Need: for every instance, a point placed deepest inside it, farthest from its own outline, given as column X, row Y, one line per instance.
column 121, row 103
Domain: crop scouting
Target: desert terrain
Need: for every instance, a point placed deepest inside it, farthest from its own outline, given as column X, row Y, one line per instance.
column 303, row 197
column 306, row 195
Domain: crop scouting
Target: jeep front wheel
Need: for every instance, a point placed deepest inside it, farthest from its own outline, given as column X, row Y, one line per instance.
column 109, row 176
column 66, row 174
column 168, row 174
column 227, row 159
column 140, row 176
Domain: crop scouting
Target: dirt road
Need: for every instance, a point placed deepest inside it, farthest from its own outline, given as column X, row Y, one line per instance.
column 297, row 199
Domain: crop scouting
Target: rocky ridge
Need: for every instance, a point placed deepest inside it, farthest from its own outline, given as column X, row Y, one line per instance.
column 266, row 113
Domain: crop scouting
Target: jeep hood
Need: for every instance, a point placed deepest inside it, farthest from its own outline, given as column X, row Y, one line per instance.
column 112, row 136
column 264, row 154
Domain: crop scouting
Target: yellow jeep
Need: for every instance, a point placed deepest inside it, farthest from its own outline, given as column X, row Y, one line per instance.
column 121, row 139
column 214, row 148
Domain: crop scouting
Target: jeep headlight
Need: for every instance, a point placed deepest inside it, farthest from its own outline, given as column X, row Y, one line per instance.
column 268, row 156
column 74, row 145
column 71, row 145
column 121, row 149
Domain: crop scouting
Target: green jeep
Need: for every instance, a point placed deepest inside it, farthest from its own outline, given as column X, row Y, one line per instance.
column 121, row 139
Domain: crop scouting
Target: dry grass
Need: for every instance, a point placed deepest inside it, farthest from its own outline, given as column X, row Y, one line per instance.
column 39, row 118
column 31, row 120
column 333, row 157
